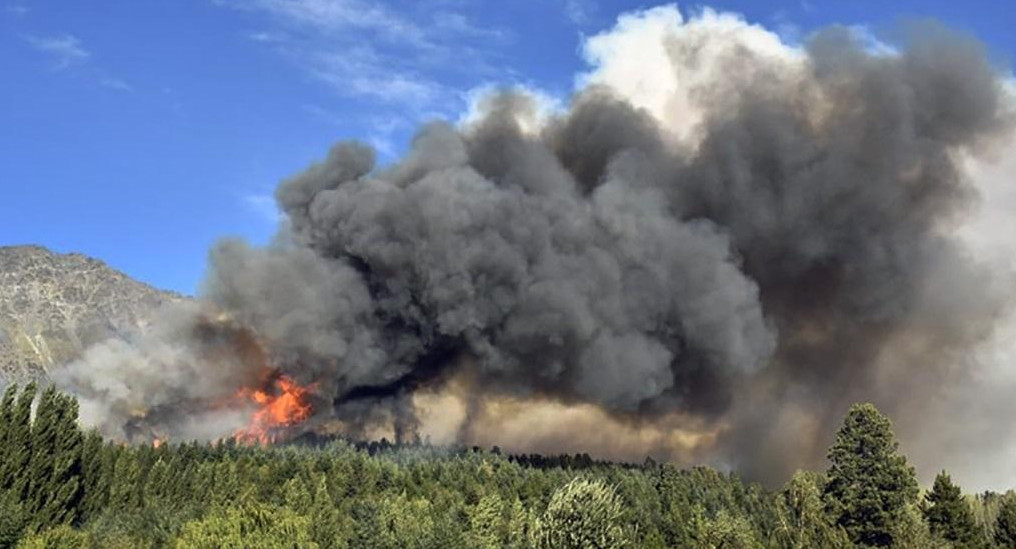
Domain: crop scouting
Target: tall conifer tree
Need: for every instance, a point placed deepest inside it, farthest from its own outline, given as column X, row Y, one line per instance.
column 18, row 433
column 949, row 516
column 1005, row 524
column 870, row 485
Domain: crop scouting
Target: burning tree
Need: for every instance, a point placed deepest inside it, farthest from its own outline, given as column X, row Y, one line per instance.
column 280, row 406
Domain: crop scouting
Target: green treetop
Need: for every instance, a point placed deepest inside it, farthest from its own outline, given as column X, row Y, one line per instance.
column 870, row 485
column 948, row 514
column 1005, row 524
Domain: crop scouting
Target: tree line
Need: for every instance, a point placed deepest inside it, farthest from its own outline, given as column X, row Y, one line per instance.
column 63, row 487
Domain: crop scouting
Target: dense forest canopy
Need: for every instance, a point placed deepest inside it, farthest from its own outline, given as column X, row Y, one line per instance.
column 62, row 487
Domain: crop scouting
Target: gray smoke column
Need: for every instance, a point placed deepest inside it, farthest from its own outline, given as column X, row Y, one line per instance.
column 483, row 243
column 782, row 251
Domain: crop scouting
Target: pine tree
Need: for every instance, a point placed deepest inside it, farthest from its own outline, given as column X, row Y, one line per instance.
column 801, row 519
column 55, row 466
column 12, row 520
column 1005, row 524
column 157, row 483
column 724, row 532
column 327, row 528
column 18, row 441
column 912, row 532
column 247, row 526
column 95, row 483
column 948, row 514
column 6, row 416
column 486, row 522
column 61, row 537
column 870, row 486
column 582, row 514
column 44, row 441
column 407, row 523
column 297, row 496
column 125, row 487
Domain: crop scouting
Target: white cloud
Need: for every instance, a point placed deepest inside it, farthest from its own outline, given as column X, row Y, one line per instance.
column 788, row 31
column 264, row 206
column 67, row 51
column 579, row 12
column 380, row 132
column 401, row 59
column 335, row 15
column 361, row 71
column 657, row 59
column 324, row 115
column 116, row 84
column 872, row 43
column 384, row 146
column 65, row 48
column 544, row 105
column 461, row 25
column 266, row 37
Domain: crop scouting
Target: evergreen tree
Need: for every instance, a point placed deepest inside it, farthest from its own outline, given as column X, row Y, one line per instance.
column 327, row 527
column 1005, row 524
column 520, row 526
column 247, row 526
column 55, row 466
column 6, row 417
column 61, row 537
column 18, row 434
column 125, row 486
column 870, row 486
column 296, row 495
column 801, row 519
column 911, row 532
column 582, row 514
column 95, row 483
column 724, row 532
column 406, row 523
column 12, row 520
column 157, row 483
column 487, row 524
column 948, row 514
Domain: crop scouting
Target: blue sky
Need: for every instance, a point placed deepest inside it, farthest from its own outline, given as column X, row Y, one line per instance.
column 140, row 131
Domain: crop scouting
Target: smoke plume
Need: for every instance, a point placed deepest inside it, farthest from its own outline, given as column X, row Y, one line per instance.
column 718, row 246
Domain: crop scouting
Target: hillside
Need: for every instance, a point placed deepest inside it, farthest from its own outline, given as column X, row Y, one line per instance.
column 52, row 306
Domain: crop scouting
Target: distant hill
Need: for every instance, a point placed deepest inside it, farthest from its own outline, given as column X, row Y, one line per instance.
column 52, row 306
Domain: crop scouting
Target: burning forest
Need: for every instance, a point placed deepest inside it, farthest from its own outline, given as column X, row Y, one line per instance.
column 718, row 245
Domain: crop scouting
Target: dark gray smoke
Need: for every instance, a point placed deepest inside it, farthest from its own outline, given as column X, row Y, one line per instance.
column 795, row 257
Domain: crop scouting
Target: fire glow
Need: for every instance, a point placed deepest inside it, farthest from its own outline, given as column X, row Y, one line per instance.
column 283, row 404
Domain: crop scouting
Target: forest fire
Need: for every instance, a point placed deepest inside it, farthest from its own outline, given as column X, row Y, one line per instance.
column 283, row 404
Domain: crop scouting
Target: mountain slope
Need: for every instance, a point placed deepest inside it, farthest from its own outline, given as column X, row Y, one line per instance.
column 52, row 306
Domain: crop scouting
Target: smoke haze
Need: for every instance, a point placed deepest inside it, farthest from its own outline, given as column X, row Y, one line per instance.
column 716, row 247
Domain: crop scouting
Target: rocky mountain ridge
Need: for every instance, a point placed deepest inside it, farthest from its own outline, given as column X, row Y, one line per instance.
column 53, row 306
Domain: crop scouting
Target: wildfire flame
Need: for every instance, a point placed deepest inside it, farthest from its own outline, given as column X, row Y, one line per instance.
column 283, row 404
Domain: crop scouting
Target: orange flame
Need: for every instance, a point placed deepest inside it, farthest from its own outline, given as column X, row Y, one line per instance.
column 282, row 405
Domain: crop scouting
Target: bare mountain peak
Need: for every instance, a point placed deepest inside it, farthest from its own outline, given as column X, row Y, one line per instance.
column 53, row 305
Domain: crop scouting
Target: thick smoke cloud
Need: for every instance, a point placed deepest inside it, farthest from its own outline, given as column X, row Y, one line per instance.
column 170, row 379
column 741, row 239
